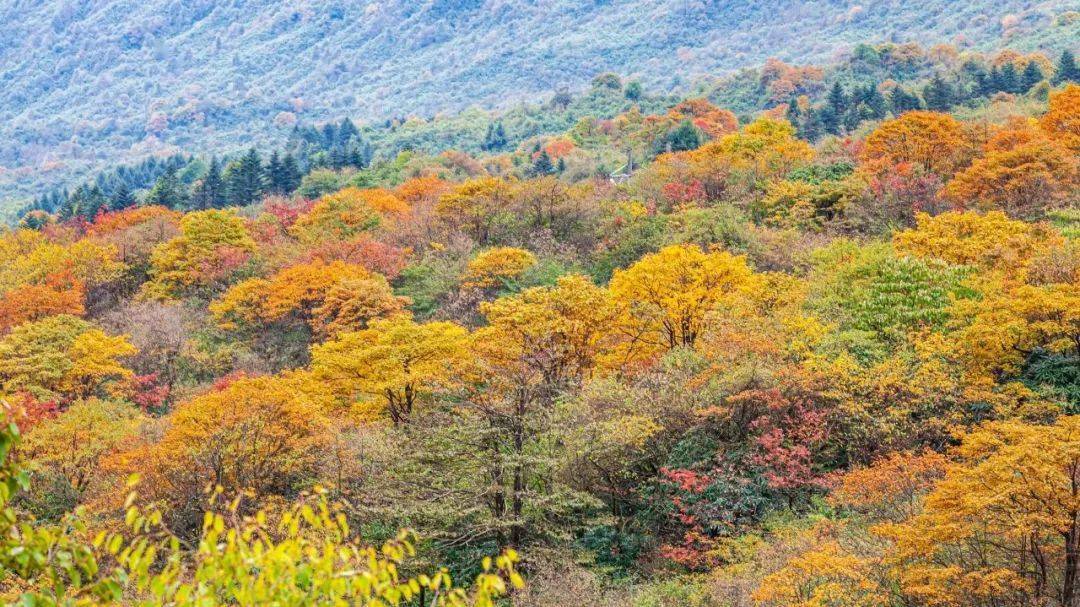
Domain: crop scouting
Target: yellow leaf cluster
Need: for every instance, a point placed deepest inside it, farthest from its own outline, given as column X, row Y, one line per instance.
column 989, row 241
column 394, row 365
column 62, row 357
column 1009, row 497
column 331, row 297
column 211, row 246
column 556, row 332
column 666, row 298
column 494, row 267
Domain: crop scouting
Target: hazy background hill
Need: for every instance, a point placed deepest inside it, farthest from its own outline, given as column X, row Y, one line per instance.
column 86, row 83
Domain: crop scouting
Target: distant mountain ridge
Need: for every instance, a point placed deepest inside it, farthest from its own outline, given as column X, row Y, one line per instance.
column 91, row 82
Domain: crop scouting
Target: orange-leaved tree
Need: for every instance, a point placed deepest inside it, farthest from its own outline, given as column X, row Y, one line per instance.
column 1003, row 526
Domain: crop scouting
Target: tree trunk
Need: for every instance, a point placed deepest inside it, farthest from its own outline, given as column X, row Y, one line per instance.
column 517, row 528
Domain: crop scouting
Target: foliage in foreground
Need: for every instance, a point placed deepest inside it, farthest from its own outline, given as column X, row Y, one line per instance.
column 305, row 555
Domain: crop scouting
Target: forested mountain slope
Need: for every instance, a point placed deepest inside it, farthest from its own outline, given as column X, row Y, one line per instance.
column 90, row 83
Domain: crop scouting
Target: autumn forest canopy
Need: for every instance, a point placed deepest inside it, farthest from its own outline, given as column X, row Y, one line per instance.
column 808, row 336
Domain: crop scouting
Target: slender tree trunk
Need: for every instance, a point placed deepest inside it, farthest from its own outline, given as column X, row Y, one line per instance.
column 517, row 529
column 1072, row 543
column 1072, row 563
column 498, row 500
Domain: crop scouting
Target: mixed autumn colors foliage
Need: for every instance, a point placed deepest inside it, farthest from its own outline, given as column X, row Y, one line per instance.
column 752, row 370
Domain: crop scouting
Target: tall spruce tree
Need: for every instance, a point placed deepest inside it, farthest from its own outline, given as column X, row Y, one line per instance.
column 274, row 174
column 875, row 102
column 542, row 165
column 1067, row 71
column 346, row 132
column 830, row 122
column 338, row 157
column 329, row 135
column 1010, row 80
column 96, row 202
column 984, row 83
column 837, row 101
column 211, row 192
column 684, row 137
column 168, row 191
column 903, row 101
column 812, row 128
column 290, row 174
column 1032, row 75
column 495, row 139
column 938, row 94
column 245, row 179
column 86, row 201
column 359, row 154
column 54, row 202
column 122, row 198
column 69, row 207
column 793, row 115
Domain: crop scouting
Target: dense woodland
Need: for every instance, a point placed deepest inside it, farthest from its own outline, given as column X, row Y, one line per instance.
column 821, row 350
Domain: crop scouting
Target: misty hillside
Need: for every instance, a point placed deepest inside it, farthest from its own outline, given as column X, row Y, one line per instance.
column 90, row 83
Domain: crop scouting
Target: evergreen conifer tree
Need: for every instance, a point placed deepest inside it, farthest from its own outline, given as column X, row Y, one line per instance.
column 793, row 115
column 1010, row 80
column 1032, row 75
column 210, row 193
column 1067, row 71
column 684, row 137
column 875, row 102
column 837, row 101
column 245, row 179
column 168, row 191
column 938, row 94
column 96, row 202
column 291, row 175
column 274, row 174
column 811, row 128
column 542, row 165
column 495, row 139
column 346, row 132
column 903, row 101
column 122, row 198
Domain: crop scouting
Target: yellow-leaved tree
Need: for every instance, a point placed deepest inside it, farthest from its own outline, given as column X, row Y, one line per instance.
column 31, row 258
column 302, row 554
column 536, row 345
column 768, row 149
column 63, row 358
column 475, row 207
column 935, row 142
column 666, row 298
column 825, row 574
column 1062, row 119
column 261, row 435
column 213, row 246
column 556, row 332
column 329, row 297
column 42, row 277
column 346, row 214
column 1003, row 526
column 393, row 366
column 1024, row 181
column 68, row 448
column 495, row 267
column 988, row 241
column 1010, row 324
